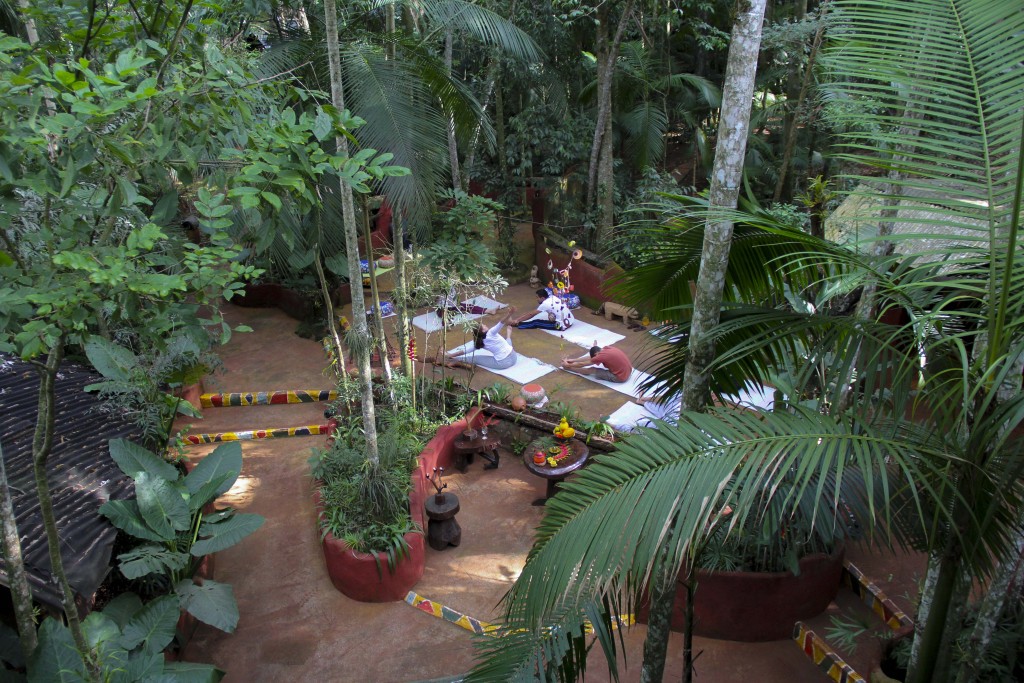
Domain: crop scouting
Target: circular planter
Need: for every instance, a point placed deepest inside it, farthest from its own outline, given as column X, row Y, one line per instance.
column 357, row 575
column 759, row 606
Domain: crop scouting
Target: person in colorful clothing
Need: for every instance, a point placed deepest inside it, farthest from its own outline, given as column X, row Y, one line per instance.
column 551, row 312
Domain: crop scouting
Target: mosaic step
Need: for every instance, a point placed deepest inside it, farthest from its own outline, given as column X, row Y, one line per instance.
column 250, row 434
column 266, row 398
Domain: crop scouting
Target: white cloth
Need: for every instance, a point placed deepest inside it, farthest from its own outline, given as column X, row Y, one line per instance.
column 557, row 312
column 498, row 346
column 585, row 335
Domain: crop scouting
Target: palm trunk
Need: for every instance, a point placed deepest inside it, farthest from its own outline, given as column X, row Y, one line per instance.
column 453, row 147
column 400, row 295
column 659, row 625
column 21, row 593
column 359, row 338
column 332, row 324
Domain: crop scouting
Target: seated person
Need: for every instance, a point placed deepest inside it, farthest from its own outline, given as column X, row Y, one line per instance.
column 488, row 348
column 558, row 315
column 449, row 305
column 617, row 366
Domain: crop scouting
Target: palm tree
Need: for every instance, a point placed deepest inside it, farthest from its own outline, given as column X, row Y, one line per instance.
column 928, row 91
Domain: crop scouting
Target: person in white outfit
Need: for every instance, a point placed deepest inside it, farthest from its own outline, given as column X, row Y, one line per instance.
column 488, row 349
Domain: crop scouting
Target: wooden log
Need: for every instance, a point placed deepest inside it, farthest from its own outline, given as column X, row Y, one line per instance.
column 529, row 420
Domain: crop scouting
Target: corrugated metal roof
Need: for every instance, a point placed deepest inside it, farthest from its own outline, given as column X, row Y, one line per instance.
column 81, row 474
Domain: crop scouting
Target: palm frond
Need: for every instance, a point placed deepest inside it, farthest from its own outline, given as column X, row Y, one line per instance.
column 483, row 24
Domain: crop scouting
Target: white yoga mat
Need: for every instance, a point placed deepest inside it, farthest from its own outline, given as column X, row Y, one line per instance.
column 760, row 397
column 525, row 370
column 429, row 322
column 484, row 302
column 629, row 416
column 630, row 387
column 587, row 335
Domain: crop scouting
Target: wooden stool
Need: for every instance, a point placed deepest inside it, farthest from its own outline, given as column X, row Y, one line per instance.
column 442, row 529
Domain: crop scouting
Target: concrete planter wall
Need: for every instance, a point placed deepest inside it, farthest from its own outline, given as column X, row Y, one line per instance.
column 759, row 606
column 356, row 574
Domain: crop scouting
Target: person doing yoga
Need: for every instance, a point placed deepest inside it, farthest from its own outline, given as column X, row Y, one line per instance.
column 616, row 365
column 555, row 314
column 488, row 348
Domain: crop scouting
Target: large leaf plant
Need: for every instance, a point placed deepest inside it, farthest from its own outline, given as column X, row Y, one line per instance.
column 170, row 519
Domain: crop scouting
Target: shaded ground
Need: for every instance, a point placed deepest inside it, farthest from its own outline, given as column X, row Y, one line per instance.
column 295, row 626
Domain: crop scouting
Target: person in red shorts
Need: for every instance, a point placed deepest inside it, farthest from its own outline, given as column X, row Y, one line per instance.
column 617, row 366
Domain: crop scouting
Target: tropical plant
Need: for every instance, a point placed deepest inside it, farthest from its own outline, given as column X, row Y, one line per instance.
column 929, row 96
column 126, row 643
column 169, row 517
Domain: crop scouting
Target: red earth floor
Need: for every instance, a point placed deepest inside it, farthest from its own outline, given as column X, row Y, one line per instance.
column 295, row 626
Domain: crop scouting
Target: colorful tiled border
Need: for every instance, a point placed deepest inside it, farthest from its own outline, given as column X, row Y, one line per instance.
column 874, row 598
column 450, row 615
column 823, row 656
column 266, row 398
column 272, row 433
column 475, row 625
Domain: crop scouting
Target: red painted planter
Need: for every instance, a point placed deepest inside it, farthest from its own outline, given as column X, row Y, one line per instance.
column 759, row 606
column 274, row 295
column 356, row 574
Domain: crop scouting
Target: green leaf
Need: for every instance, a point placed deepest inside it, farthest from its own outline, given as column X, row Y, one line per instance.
column 110, row 360
column 226, row 459
column 99, row 628
column 141, row 666
column 55, row 659
column 151, row 559
column 122, row 608
column 226, row 533
column 211, row 603
column 272, row 199
column 161, row 504
column 153, row 626
column 133, row 458
column 323, row 126
column 125, row 515
column 193, row 672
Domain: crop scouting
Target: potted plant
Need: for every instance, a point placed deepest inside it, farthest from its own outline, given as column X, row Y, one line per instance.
column 372, row 537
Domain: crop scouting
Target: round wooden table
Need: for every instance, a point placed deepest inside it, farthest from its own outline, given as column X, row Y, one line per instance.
column 578, row 454
column 466, row 446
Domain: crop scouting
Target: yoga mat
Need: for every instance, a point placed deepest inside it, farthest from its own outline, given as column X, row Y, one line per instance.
column 759, row 397
column 429, row 322
column 630, row 387
column 629, row 416
column 484, row 302
column 587, row 335
column 525, row 370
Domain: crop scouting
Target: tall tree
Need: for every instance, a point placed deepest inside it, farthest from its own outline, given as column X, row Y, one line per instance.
column 359, row 338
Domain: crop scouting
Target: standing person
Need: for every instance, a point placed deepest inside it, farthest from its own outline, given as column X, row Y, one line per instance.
column 488, row 348
column 558, row 315
column 617, row 366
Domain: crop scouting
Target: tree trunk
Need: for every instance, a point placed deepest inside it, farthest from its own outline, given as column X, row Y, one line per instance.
column 400, row 296
column 453, row 147
column 784, row 186
column 605, row 188
column 359, row 338
column 659, row 625
column 607, row 53
column 378, row 319
column 737, row 96
column 42, row 443
column 725, row 185
column 21, row 593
